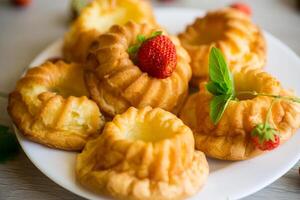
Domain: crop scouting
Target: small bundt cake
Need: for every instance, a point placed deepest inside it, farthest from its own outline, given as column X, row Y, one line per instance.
column 230, row 30
column 49, row 106
column 143, row 154
column 97, row 18
column 231, row 139
column 116, row 82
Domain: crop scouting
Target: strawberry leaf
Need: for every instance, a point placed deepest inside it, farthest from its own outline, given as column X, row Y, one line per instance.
column 156, row 33
column 133, row 49
column 141, row 38
column 264, row 132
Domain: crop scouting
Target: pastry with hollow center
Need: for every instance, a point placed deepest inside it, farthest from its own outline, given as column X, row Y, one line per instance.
column 230, row 30
column 231, row 138
column 116, row 81
column 97, row 18
column 49, row 106
column 143, row 154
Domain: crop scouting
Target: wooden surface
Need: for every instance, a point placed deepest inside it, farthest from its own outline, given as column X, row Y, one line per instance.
column 25, row 32
column 20, row 179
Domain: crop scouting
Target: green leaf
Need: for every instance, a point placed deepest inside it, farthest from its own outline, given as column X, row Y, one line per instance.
column 217, row 107
column 264, row 132
column 9, row 146
column 133, row 49
column 3, row 128
column 214, row 88
column 156, row 33
column 78, row 5
column 141, row 38
column 220, row 84
column 218, row 70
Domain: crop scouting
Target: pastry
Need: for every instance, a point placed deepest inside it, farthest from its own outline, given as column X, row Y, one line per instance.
column 143, row 154
column 97, row 18
column 231, row 139
column 116, row 82
column 232, row 31
column 49, row 106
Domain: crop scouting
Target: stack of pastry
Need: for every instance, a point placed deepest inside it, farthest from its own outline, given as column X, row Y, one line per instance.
column 232, row 31
column 132, row 78
column 230, row 139
column 244, row 49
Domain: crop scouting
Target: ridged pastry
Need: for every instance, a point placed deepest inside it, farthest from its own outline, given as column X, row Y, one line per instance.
column 143, row 154
column 232, row 31
column 116, row 83
column 230, row 138
column 97, row 18
column 49, row 106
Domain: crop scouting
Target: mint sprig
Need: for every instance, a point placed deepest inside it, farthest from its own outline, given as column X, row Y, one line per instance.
column 220, row 84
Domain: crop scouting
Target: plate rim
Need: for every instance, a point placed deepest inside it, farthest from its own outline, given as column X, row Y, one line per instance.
column 253, row 190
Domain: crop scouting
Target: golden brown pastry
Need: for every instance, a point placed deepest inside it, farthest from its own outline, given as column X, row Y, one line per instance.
column 143, row 154
column 230, row 139
column 230, row 30
column 49, row 106
column 97, row 18
column 116, row 83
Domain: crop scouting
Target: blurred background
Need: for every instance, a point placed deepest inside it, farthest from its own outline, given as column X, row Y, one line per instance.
column 26, row 30
column 28, row 26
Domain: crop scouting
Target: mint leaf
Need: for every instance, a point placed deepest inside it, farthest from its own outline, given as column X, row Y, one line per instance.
column 9, row 146
column 215, row 88
column 218, row 70
column 217, row 107
column 220, row 85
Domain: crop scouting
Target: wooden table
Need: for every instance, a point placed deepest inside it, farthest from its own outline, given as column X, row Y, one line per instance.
column 25, row 32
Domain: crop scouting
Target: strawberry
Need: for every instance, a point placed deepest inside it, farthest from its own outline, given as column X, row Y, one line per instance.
column 266, row 145
column 242, row 7
column 264, row 137
column 157, row 56
column 21, row 3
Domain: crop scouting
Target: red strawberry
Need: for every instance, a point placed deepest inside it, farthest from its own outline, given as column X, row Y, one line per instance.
column 265, row 137
column 22, row 3
column 267, row 144
column 242, row 7
column 157, row 57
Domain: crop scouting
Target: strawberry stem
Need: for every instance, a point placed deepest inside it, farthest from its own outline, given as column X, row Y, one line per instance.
column 269, row 113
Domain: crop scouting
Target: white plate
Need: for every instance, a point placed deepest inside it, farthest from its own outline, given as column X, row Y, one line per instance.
column 227, row 180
